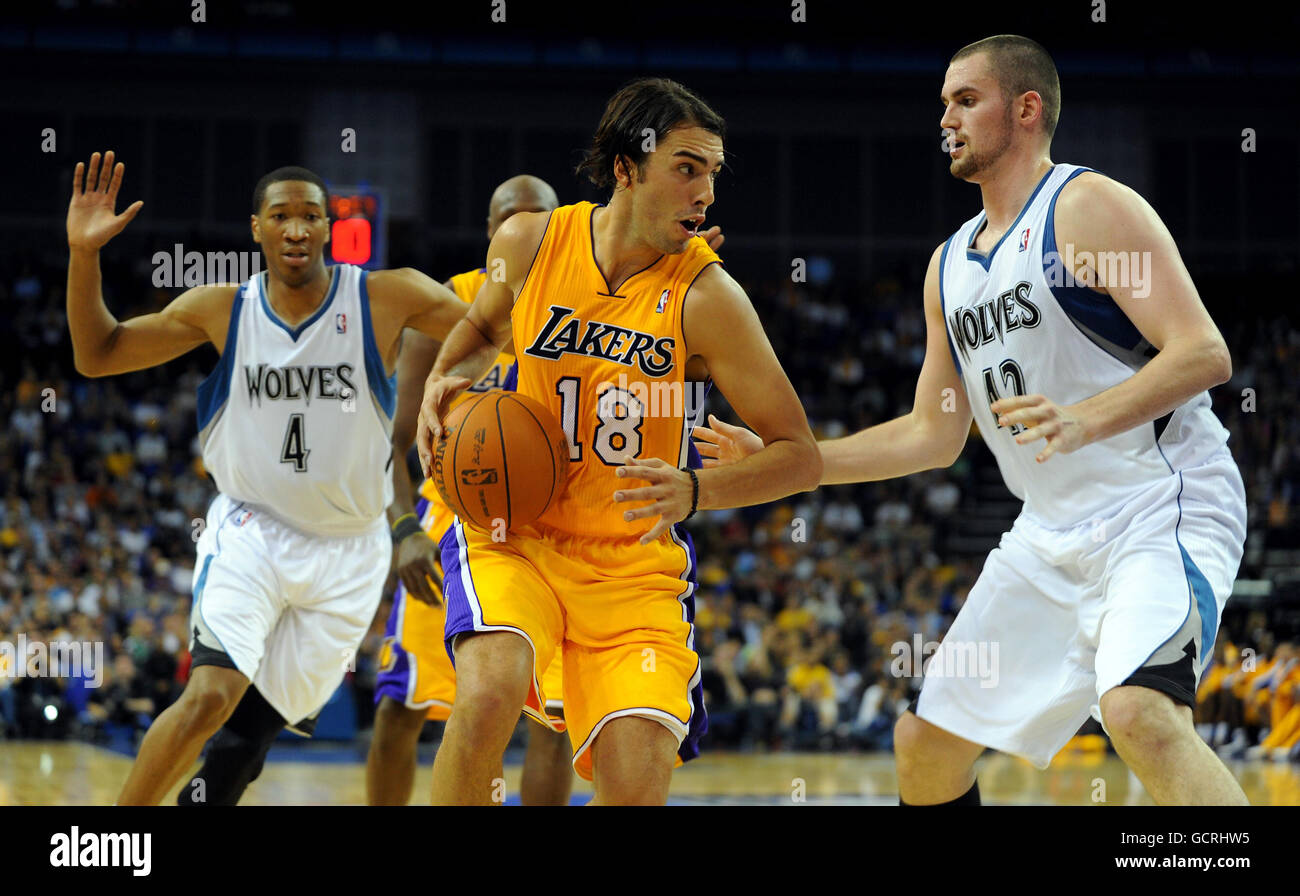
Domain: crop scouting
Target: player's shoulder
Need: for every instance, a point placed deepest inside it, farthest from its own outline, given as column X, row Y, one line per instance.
column 393, row 283
column 212, row 301
column 714, row 283
column 1093, row 194
column 523, row 230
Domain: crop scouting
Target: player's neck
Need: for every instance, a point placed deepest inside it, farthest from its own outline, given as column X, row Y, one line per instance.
column 1006, row 192
column 294, row 304
column 619, row 254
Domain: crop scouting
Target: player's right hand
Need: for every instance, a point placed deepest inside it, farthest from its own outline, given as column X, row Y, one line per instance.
column 438, row 393
column 721, row 443
column 91, row 219
column 415, row 561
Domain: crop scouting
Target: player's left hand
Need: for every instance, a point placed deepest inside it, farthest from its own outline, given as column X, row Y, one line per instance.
column 670, row 492
column 415, row 564
column 1044, row 419
column 713, row 236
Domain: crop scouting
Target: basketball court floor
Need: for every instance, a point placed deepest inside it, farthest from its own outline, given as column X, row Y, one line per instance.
column 70, row 773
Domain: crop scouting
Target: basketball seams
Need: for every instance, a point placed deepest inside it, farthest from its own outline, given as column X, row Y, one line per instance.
column 555, row 479
column 505, row 466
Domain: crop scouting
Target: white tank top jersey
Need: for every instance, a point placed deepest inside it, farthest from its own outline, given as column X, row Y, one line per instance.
column 298, row 420
column 1018, row 323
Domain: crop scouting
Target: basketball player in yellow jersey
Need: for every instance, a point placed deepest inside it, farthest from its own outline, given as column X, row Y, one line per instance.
column 416, row 678
column 609, row 308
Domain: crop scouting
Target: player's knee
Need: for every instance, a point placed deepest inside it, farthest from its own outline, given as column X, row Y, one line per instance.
column 206, row 705
column 1140, row 720
column 911, row 740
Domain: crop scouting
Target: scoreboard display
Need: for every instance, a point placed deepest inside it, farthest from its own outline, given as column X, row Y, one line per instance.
column 358, row 226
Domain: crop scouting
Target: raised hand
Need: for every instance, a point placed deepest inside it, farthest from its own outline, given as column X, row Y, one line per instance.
column 721, row 443
column 713, row 236
column 91, row 219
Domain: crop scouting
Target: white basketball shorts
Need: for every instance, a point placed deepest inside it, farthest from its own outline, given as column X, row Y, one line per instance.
column 287, row 609
column 1059, row 617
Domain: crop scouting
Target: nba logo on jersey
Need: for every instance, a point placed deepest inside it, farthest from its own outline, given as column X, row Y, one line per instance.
column 243, row 517
column 340, row 323
column 663, row 301
column 1024, row 240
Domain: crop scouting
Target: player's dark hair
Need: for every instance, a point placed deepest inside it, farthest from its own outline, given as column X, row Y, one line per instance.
column 289, row 172
column 1020, row 65
column 645, row 106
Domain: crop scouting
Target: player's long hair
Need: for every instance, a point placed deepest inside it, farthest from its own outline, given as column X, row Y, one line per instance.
column 643, row 107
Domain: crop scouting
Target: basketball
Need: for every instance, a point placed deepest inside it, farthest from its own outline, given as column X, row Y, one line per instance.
column 503, row 457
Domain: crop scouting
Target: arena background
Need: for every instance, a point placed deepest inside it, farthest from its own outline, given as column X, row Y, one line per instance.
column 834, row 158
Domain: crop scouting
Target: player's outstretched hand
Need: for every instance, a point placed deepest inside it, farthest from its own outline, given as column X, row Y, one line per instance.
column 670, row 492
column 721, row 443
column 91, row 219
column 713, row 236
column 415, row 562
column 438, row 393
column 1043, row 419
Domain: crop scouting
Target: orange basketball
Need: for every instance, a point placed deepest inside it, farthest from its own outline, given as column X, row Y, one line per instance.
column 503, row 457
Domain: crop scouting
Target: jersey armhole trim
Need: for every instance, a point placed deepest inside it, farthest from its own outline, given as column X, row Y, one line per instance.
column 382, row 386
column 546, row 231
column 215, row 388
column 943, row 306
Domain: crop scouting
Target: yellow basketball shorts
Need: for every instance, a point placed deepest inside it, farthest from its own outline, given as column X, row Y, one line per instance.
column 414, row 664
column 624, row 614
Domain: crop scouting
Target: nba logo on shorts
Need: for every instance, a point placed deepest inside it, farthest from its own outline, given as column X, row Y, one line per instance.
column 341, row 322
column 1024, row 240
column 663, row 301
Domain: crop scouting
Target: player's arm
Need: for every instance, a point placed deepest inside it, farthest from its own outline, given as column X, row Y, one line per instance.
column 931, row 435
column 405, row 297
column 474, row 343
column 721, row 326
column 101, row 344
column 1097, row 215
column 416, row 553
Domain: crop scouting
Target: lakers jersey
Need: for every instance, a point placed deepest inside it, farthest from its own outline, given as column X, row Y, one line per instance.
column 610, row 367
column 499, row 376
column 1018, row 324
column 298, row 420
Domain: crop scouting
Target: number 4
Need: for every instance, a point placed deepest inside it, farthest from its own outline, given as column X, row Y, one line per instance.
column 294, row 450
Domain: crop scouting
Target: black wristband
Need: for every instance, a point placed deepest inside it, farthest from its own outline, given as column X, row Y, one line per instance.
column 406, row 525
column 695, row 492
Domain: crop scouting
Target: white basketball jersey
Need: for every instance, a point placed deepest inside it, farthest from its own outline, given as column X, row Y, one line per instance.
column 1018, row 323
column 298, row 420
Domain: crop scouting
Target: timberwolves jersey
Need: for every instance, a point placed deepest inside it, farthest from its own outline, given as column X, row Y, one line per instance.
column 1018, row 324
column 298, row 420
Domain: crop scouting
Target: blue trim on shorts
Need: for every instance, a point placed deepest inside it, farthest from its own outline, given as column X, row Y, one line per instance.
column 460, row 616
column 699, row 723
column 1198, row 586
column 395, row 681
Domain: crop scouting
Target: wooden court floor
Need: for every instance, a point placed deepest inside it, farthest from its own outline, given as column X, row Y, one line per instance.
column 64, row 773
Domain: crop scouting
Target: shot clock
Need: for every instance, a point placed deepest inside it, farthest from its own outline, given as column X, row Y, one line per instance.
column 358, row 226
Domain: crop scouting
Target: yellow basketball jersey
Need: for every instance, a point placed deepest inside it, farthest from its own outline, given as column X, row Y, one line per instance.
column 611, row 368
column 466, row 287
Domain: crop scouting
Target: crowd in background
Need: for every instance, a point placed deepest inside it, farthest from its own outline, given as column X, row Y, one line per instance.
column 809, row 610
